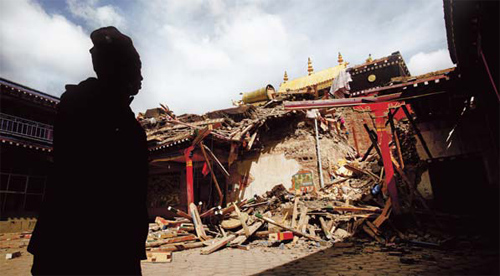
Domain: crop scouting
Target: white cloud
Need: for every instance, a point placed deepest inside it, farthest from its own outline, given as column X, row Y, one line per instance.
column 196, row 71
column 39, row 50
column 422, row 63
column 198, row 55
column 96, row 16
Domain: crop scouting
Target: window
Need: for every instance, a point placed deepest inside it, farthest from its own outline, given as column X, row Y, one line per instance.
column 19, row 192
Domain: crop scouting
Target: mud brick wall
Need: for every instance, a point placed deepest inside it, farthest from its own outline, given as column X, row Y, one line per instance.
column 354, row 121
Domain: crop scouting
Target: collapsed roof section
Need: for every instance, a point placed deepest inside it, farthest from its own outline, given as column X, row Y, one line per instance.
column 233, row 125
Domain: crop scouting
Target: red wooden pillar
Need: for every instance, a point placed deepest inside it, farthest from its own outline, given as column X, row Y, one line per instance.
column 380, row 110
column 189, row 175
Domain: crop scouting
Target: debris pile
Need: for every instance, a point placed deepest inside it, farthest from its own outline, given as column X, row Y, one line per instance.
column 350, row 207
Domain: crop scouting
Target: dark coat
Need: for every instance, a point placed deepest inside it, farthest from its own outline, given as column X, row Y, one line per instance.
column 95, row 205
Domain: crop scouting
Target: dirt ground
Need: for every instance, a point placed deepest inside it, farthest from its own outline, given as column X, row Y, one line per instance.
column 362, row 258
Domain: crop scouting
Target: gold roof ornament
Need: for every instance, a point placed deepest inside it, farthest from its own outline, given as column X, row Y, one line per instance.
column 340, row 59
column 309, row 66
column 322, row 79
column 369, row 59
column 285, row 77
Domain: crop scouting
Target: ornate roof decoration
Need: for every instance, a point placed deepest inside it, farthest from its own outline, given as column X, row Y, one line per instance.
column 369, row 59
column 310, row 69
column 322, row 79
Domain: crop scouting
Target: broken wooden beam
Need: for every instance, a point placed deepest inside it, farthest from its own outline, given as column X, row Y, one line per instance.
column 295, row 212
column 219, row 191
column 372, row 234
column 419, row 135
column 242, row 220
column 355, row 209
column 179, row 246
column 179, row 212
column 210, row 212
column 171, row 240
column 198, row 225
column 324, row 227
column 216, row 161
column 385, row 213
column 253, row 229
column 217, row 244
column 298, row 233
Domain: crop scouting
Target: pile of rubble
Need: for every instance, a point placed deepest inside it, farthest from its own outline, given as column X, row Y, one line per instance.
column 350, row 207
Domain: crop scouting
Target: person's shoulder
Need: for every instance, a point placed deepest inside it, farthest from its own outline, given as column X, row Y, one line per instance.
column 83, row 89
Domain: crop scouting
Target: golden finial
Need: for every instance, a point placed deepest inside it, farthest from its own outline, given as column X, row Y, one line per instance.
column 340, row 59
column 285, row 77
column 369, row 59
column 309, row 66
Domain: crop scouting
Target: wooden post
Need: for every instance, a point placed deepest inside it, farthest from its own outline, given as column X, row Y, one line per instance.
column 219, row 191
column 318, row 152
column 380, row 112
column 396, row 139
column 419, row 135
column 189, row 174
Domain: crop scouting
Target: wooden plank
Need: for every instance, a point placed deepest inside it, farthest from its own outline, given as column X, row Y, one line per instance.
column 252, row 139
column 303, row 216
column 159, row 257
column 171, row 240
column 298, row 233
column 216, row 161
column 198, row 225
column 372, row 234
column 210, row 212
column 295, row 212
column 356, row 209
column 231, row 208
column 253, row 228
column 179, row 246
column 373, row 227
column 324, row 227
column 218, row 244
column 385, row 213
column 242, row 220
column 312, row 230
column 179, row 212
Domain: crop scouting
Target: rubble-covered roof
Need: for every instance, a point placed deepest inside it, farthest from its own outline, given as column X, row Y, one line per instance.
column 227, row 125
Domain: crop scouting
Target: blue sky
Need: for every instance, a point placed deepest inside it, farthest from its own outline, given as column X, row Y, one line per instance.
column 198, row 55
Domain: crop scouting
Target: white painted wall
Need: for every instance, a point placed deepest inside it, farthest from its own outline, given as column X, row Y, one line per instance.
column 268, row 171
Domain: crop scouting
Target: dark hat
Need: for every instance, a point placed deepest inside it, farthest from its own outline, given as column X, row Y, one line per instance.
column 112, row 51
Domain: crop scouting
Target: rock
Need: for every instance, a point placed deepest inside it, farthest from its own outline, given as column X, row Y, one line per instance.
column 12, row 255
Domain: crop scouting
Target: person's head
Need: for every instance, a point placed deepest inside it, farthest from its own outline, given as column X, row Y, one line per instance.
column 115, row 60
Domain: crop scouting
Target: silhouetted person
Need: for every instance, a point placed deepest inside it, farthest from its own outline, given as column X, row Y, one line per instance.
column 94, row 218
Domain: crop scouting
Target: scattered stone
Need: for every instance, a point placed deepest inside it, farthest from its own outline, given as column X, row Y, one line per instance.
column 12, row 255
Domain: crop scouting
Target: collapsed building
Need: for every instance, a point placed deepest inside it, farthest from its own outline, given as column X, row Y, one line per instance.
column 261, row 143
column 325, row 160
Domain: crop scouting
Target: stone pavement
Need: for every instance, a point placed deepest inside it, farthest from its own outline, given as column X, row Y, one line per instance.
column 362, row 259
column 359, row 260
